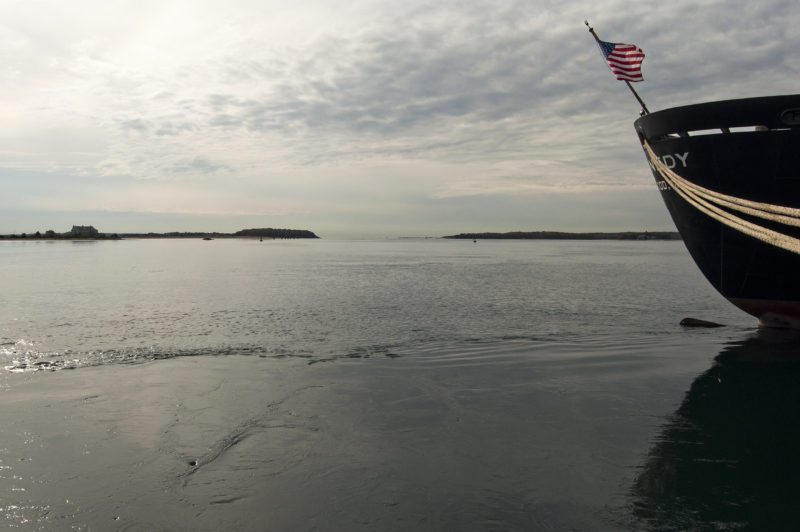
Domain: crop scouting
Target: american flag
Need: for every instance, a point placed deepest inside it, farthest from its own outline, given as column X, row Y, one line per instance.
column 625, row 60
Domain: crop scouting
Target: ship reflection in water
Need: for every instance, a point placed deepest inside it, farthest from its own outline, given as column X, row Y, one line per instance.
column 729, row 457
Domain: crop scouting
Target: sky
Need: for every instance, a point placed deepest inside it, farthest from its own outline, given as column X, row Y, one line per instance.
column 358, row 118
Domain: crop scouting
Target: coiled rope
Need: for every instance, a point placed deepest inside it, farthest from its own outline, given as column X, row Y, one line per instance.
column 710, row 202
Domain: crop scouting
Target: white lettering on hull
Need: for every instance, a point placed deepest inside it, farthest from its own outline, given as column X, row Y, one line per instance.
column 670, row 160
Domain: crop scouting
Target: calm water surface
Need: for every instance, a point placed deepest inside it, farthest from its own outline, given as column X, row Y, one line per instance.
column 391, row 385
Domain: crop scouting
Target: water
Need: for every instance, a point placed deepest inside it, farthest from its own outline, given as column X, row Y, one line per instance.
column 392, row 385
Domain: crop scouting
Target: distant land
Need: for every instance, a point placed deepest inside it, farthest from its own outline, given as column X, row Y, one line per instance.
column 267, row 232
column 88, row 232
column 558, row 235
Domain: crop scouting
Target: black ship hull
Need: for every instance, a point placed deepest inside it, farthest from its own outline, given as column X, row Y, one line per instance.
column 729, row 174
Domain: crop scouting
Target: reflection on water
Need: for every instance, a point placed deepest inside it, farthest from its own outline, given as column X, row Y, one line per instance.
column 729, row 458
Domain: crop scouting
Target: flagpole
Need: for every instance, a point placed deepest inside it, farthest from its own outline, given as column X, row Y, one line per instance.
column 628, row 83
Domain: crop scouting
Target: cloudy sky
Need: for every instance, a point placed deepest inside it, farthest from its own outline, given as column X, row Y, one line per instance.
column 357, row 118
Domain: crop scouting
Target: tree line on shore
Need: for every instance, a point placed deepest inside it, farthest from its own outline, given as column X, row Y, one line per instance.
column 559, row 235
column 90, row 233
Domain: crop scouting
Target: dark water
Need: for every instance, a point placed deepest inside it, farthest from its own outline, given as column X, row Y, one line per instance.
column 398, row 385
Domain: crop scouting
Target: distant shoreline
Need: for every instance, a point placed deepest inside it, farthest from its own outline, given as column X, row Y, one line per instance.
column 302, row 233
column 92, row 234
column 560, row 235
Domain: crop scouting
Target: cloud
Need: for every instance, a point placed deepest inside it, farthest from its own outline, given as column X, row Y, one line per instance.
column 317, row 108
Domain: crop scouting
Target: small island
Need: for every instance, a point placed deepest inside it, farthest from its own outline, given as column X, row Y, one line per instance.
column 276, row 233
column 88, row 232
column 559, row 235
